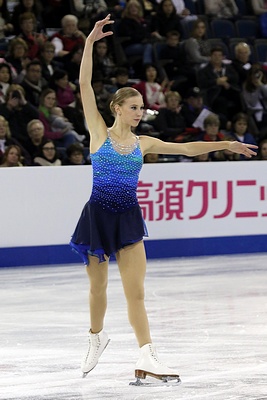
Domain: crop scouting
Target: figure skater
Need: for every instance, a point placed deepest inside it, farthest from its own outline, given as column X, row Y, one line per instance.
column 111, row 221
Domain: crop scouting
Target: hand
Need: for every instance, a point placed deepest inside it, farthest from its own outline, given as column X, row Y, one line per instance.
column 97, row 33
column 243, row 148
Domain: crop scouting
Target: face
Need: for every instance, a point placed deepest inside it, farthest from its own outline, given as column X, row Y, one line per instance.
column 49, row 150
column 49, row 100
column 151, row 74
column 216, row 58
column 101, row 49
column 264, row 151
column 3, row 129
column 200, row 30
column 132, row 110
column 122, row 79
column 212, row 130
column 76, row 158
column 241, row 127
column 243, row 55
column 172, row 103
column 4, row 75
column 70, row 27
column 172, row 41
column 13, row 156
column 195, row 102
column 48, row 54
column 27, row 26
column 36, row 132
column 34, row 73
column 167, row 7
column 134, row 10
column 19, row 51
column 62, row 82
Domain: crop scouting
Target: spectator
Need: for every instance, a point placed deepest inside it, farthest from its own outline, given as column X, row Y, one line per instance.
column 89, row 12
column 255, row 95
column 72, row 63
column 47, row 157
column 240, row 132
column 262, row 153
column 103, row 60
column 197, row 47
column 5, row 80
column 134, row 27
column 68, row 37
column 219, row 82
column 47, row 61
column 151, row 90
column 221, row 8
column 33, row 82
column 18, row 112
column 6, row 140
column 6, row 27
column 103, row 97
column 60, row 123
column 28, row 33
column 241, row 62
column 17, row 55
column 121, row 79
column 35, row 140
column 75, row 155
column 165, row 20
column 169, row 122
column 12, row 157
column 32, row 6
column 63, row 88
column 47, row 102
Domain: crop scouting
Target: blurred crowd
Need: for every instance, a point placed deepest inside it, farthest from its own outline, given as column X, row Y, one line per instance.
column 200, row 65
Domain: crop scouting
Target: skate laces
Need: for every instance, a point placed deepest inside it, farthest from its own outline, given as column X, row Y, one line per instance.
column 94, row 344
column 154, row 355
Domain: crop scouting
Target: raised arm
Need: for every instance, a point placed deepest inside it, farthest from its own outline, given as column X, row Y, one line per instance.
column 94, row 120
column 153, row 145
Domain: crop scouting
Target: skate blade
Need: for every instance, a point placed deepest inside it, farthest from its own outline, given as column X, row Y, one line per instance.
column 84, row 375
column 152, row 382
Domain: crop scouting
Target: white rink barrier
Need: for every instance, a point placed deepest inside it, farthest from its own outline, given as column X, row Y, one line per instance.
column 190, row 209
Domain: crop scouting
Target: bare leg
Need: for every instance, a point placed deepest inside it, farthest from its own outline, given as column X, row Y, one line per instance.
column 132, row 265
column 98, row 276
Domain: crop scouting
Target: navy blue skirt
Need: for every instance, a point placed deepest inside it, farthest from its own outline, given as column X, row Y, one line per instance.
column 100, row 232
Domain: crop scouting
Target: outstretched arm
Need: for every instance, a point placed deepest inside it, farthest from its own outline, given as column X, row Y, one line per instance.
column 94, row 120
column 152, row 145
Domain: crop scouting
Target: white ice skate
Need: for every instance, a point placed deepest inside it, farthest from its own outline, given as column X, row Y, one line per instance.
column 149, row 364
column 97, row 344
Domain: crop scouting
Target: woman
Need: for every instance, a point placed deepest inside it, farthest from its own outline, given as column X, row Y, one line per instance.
column 47, row 157
column 6, row 140
column 12, row 157
column 32, row 6
column 113, row 213
column 17, row 56
column 197, row 48
column 165, row 20
column 64, row 89
column 5, row 80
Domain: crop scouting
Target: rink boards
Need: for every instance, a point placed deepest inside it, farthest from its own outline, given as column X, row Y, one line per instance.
column 190, row 209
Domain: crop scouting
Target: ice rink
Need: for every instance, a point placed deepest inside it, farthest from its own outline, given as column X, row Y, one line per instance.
column 208, row 318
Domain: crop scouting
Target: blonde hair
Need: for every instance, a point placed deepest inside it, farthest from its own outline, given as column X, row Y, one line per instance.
column 171, row 94
column 6, row 124
column 242, row 46
column 121, row 95
column 32, row 122
column 127, row 13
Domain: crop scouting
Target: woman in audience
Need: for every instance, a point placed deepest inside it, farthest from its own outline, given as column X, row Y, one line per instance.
column 32, row 6
column 12, row 157
column 17, row 56
column 165, row 20
column 197, row 48
column 47, row 157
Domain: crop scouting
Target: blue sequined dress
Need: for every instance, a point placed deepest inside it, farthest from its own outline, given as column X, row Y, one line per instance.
column 112, row 217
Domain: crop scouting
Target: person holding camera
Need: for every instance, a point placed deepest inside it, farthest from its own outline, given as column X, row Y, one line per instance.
column 18, row 112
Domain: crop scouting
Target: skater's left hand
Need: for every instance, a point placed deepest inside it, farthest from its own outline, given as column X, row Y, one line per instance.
column 97, row 33
column 243, row 148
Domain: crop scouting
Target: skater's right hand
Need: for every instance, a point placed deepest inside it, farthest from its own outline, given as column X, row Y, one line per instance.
column 97, row 33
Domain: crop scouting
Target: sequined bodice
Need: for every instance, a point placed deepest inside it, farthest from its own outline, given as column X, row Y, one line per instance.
column 115, row 176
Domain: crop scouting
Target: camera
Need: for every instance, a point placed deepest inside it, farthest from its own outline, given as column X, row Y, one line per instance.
column 16, row 95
